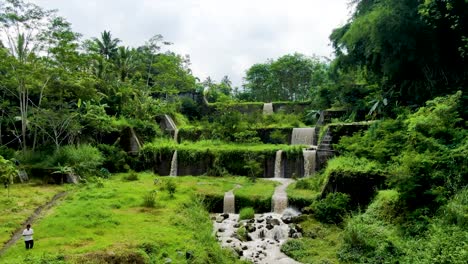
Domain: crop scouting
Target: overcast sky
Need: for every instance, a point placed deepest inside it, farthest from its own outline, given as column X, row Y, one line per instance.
column 222, row 37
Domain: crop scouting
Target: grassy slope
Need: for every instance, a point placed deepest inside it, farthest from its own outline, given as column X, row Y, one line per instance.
column 23, row 200
column 111, row 218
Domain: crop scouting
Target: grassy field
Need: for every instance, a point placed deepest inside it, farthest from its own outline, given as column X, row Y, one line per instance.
column 23, row 200
column 106, row 219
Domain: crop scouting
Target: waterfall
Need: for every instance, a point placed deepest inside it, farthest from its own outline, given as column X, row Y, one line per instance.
column 228, row 206
column 303, row 136
column 310, row 157
column 170, row 124
column 176, row 133
column 278, row 165
column 268, row 108
column 173, row 171
column 279, row 201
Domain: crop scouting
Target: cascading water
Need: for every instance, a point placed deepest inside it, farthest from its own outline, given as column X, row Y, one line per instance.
column 310, row 156
column 229, row 204
column 303, row 136
column 171, row 126
column 279, row 201
column 268, row 108
column 176, row 133
column 173, row 171
column 278, row 165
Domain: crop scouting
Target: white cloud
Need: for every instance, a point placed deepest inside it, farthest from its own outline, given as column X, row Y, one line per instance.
column 222, row 37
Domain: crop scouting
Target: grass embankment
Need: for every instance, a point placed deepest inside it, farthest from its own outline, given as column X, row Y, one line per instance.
column 23, row 200
column 107, row 220
column 304, row 191
column 320, row 243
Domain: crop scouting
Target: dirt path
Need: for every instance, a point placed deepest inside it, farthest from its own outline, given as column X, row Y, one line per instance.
column 31, row 219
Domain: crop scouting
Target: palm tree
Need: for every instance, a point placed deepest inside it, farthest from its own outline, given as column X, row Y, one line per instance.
column 107, row 46
column 124, row 62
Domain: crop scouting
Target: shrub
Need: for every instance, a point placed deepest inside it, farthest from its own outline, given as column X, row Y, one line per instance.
column 132, row 176
column 83, row 159
column 278, row 137
column 115, row 158
column 246, row 213
column 332, row 209
column 170, row 187
column 292, row 247
column 303, row 184
column 149, row 199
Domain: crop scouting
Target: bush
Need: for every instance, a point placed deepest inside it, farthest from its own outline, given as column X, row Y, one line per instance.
column 132, row 176
column 332, row 209
column 149, row 199
column 115, row 158
column 303, row 184
column 246, row 213
column 170, row 187
column 83, row 159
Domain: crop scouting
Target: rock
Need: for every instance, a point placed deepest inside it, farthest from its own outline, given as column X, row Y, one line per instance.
column 299, row 218
column 297, row 235
column 238, row 250
column 229, row 241
column 245, row 247
column 260, row 220
column 299, row 228
column 274, row 221
column 219, row 219
column 261, row 234
column 250, row 237
column 213, row 218
column 286, row 219
column 236, row 225
column 250, row 228
column 221, row 229
column 225, row 216
column 189, row 254
column 269, row 226
column 251, row 221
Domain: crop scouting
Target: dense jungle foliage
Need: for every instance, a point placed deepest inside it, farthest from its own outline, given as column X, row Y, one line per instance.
column 69, row 105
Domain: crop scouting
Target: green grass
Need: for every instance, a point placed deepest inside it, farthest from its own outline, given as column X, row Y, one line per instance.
column 320, row 243
column 304, row 191
column 23, row 200
column 246, row 213
column 97, row 220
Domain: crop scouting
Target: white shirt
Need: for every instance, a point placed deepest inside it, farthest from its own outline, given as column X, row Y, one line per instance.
column 28, row 234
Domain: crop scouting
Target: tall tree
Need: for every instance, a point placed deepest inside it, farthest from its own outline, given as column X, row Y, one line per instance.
column 23, row 25
column 414, row 48
column 106, row 45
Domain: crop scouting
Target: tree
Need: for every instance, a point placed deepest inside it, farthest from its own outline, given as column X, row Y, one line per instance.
column 107, row 46
column 23, row 25
column 411, row 48
column 290, row 77
column 8, row 172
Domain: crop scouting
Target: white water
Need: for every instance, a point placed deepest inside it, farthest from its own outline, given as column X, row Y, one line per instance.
column 310, row 157
column 229, row 203
column 263, row 240
column 279, row 201
column 303, row 136
column 278, row 165
column 268, row 108
column 171, row 126
column 173, row 171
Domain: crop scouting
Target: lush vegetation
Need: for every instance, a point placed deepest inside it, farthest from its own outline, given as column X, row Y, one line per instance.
column 88, row 109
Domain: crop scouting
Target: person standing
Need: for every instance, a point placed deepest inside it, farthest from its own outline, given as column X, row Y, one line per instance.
column 28, row 237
